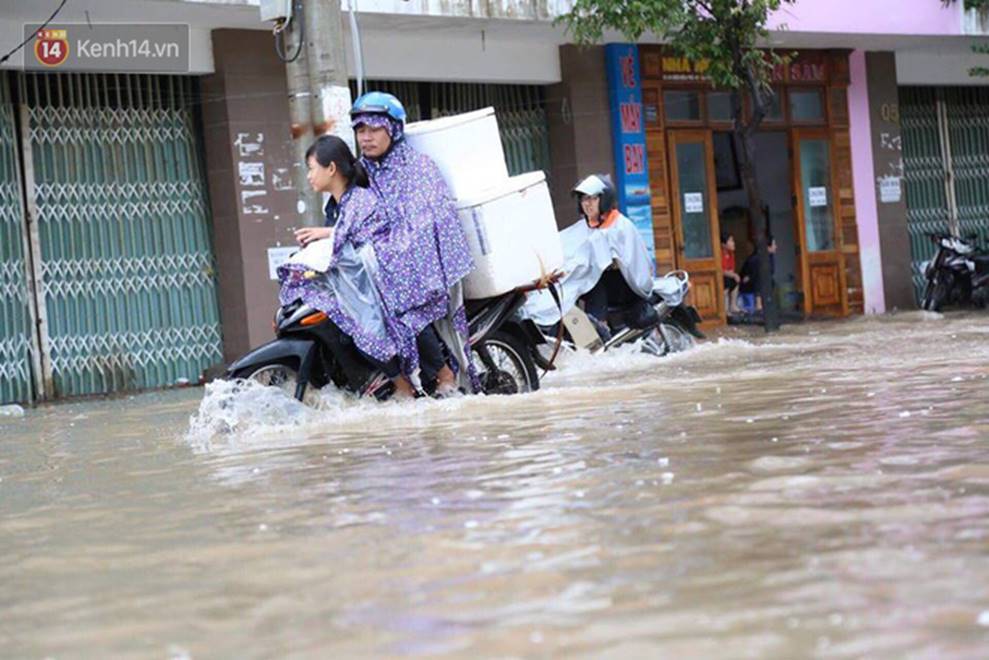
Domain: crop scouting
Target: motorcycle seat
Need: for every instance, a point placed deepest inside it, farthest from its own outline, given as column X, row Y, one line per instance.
column 981, row 264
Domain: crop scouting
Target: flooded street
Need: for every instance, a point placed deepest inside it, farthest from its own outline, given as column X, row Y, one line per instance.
column 823, row 492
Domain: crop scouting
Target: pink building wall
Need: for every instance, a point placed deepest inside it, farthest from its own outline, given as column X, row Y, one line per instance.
column 915, row 17
column 866, row 211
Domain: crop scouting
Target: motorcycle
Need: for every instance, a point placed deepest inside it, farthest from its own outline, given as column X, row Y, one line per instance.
column 670, row 325
column 299, row 360
column 958, row 274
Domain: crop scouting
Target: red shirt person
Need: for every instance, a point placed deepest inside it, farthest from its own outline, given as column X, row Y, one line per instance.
column 731, row 278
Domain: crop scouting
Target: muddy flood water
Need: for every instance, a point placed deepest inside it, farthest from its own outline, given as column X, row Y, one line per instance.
column 823, row 492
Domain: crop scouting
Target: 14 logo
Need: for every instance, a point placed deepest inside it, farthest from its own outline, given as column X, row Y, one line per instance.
column 51, row 48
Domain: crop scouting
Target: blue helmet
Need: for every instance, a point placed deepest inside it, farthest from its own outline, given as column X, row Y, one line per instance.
column 379, row 103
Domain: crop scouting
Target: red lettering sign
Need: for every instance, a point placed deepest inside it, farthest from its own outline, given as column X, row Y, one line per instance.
column 806, row 72
column 627, row 65
column 631, row 117
column 635, row 159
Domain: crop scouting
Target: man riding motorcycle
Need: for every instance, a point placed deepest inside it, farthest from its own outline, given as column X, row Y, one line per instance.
column 427, row 254
column 606, row 264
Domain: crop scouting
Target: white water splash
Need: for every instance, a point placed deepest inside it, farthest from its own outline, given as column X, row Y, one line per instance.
column 231, row 407
column 242, row 416
column 236, row 416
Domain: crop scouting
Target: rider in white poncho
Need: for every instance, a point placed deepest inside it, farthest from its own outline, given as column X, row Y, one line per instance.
column 606, row 263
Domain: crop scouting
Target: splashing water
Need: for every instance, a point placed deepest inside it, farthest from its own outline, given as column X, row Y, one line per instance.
column 232, row 412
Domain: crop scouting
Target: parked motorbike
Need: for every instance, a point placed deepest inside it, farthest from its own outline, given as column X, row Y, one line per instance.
column 672, row 329
column 958, row 274
column 300, row 361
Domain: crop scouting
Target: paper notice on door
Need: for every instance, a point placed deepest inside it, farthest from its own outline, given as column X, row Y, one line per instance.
column 817, row 196
column 693, row 202
column 890, row 191
column 277, row 256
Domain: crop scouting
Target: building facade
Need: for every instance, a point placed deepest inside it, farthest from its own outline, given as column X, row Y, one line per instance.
column 141, row 212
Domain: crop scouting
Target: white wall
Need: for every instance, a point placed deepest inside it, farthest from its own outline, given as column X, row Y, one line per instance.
column 976, row 22
column 456, row 57
column 947, row 65
column 478, row 9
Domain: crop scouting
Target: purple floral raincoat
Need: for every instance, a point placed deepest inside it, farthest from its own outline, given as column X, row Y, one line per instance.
column 349, row 292
column 426, row 254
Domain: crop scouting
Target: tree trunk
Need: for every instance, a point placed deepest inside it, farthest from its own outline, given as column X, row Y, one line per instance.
column 748, row 167
column 744, row 135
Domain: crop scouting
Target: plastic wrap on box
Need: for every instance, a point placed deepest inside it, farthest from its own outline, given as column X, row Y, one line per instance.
column 512, row 235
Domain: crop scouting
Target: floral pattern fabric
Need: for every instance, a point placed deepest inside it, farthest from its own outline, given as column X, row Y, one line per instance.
column 349, row 292
column 426, row 253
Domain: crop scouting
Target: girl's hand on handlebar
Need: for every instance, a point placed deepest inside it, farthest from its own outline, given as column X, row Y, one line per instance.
column 307, row 235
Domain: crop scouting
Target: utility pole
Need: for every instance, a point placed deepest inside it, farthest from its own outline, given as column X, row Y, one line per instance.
column 300, row 115
column 309, row 39
column 329, row 92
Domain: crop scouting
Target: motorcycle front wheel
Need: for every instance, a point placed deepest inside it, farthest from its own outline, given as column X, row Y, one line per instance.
column 505, row 366
column 936, row 293
column 668, row 338
column 281, row 376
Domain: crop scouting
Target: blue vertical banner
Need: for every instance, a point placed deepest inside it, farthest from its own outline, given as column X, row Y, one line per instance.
column 628, row 133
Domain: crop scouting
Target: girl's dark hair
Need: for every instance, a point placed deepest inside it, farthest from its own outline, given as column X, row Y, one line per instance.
column 331, row 149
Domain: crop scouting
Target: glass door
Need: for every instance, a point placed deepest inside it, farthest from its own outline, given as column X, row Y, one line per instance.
column 695, row 219
column 822, row 263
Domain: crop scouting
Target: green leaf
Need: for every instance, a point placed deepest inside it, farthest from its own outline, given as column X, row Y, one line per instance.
column 725, row 33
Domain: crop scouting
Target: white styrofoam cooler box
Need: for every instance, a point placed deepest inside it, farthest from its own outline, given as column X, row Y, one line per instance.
column 512, row 234
column 467, row 148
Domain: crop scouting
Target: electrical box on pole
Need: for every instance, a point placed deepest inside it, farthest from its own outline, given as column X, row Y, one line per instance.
column 276, row 10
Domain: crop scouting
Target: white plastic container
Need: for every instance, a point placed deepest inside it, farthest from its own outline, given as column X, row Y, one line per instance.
column 512, row 234
column 467, row 148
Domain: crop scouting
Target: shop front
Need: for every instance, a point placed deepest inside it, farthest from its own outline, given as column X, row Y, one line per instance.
column 804, row 175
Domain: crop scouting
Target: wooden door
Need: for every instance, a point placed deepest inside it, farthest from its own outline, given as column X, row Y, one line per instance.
column 821, row 260
column 695, row 219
